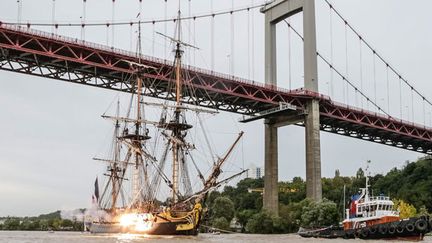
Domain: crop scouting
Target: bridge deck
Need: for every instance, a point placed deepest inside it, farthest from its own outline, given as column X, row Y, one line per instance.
column 32, row 52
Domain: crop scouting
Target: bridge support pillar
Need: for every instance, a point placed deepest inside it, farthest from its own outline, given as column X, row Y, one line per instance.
column 276, row 12
column 313, row 151
column 270, row 197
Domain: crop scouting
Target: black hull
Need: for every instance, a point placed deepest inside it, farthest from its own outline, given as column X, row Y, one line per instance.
column 410, row 229
column 163, row 228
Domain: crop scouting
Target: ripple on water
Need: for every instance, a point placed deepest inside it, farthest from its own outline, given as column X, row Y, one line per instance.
column 73, row 237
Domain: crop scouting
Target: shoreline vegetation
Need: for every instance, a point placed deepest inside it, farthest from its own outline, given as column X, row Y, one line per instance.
column 239, row 208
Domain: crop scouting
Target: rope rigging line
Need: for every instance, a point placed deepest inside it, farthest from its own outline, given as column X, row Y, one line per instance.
column 342, row 76
column 378, row 55
column 189, row 36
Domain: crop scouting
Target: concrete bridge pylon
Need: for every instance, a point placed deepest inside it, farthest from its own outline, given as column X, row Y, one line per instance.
column 275, row 12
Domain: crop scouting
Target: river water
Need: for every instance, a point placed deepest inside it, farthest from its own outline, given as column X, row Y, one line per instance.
column 73, row 237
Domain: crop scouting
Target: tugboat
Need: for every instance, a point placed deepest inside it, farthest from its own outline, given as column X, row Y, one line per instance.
column 373, row 217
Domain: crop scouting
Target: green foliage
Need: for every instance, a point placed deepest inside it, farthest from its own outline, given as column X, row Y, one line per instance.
column 318, row 214
column 222, row 207
column 12, row 224
column 43, row 222
column 264, row 223
column 423, row 212
column 244, row 216
column 411, row 184
column 292, row 214
column 221, row 223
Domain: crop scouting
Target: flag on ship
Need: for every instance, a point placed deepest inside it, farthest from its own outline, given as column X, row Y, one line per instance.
column 95, row 196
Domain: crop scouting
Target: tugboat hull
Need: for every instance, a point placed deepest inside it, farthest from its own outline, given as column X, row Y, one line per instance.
column 412, row 229
column 409, row 229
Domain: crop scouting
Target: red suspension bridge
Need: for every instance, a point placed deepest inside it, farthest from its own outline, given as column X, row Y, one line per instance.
column 43, row 54
column 28, row 51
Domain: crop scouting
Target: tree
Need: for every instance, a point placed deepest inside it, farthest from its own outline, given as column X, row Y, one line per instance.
column 12, row 224
column 249, row 201
column 423, row 211
column 66, row 223
column 222, row 207
column 291, row 214
column 260, row 223
column 406, row 210
column 318, row 214
column 244, row 216
column 360, row 173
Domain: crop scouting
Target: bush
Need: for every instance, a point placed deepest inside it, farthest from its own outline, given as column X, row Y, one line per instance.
column 265, row 223
column 318, row 214
column 221, row 223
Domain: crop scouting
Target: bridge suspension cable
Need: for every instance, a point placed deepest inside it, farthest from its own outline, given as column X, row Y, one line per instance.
column 341, row 75
column 380, row 57
column 134, row 22
column 232, row 55
column 19, row 14
column 83, row 20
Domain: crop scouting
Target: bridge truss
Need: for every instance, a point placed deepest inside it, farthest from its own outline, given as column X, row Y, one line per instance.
column 37, row 53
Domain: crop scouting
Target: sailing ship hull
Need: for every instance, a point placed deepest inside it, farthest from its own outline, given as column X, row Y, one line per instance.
column 164, row 223
column 163, row 228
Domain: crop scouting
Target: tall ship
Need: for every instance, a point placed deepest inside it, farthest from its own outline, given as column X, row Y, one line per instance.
column 373, row 217
column 149, row 188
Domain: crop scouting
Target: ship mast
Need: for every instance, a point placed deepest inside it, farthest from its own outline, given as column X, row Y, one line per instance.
column 115, row 169
column 176, row 130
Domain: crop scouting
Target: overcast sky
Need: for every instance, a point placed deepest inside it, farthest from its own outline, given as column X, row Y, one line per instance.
column 51, row 130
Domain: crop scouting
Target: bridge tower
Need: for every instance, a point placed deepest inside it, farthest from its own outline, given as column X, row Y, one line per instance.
column 275, row 12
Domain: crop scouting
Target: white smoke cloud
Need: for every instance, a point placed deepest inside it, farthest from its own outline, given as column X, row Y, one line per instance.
column 88, row 215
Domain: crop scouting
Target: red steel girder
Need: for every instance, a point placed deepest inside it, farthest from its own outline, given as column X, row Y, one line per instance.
column 43, row 54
